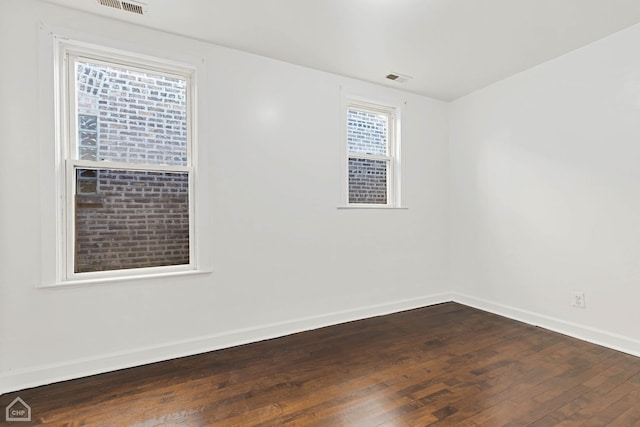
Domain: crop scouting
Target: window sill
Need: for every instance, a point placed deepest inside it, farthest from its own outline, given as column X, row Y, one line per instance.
column 104, row 280
column 372, row 207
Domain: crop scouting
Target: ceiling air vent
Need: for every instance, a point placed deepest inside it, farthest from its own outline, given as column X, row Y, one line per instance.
column 132, row 6
column 398, row 78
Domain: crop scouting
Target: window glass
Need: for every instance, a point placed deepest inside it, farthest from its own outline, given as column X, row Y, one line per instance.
column 132, row 116
column 367, row 181
column 367, row 132
column 130, row 219
column 372, row 146
column 128, row 170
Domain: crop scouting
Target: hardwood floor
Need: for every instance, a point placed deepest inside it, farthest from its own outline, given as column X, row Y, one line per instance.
column 445, row 365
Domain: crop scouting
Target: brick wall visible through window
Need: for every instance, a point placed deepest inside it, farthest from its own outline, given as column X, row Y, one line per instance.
column 370, row 134
column 133, row 220
column 131, row 204
column 367, row 181
column 140, row 117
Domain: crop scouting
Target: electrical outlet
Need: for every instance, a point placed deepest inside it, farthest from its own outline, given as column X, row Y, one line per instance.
column 578, row 299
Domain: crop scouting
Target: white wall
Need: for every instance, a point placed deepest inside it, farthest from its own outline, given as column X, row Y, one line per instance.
column 284, row 257
column 545, row 193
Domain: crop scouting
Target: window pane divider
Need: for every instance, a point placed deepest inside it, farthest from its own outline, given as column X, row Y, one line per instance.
column 368, row 156
column 91, row 164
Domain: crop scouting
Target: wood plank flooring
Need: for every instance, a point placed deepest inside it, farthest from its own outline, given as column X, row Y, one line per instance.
column 445, row 365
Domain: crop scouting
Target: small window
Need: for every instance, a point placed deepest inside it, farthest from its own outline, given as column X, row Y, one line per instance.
column 128, row 164
column 372, row 161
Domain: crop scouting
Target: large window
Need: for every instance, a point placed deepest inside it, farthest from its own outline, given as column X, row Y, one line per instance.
column 372, row 154
column 127, row 162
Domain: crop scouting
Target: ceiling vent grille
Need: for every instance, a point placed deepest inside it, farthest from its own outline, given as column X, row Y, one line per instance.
column 132, row 6
column 398, row 78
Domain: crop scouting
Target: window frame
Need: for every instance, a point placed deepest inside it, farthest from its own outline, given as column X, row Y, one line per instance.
column 393, row 113
column 67, row 51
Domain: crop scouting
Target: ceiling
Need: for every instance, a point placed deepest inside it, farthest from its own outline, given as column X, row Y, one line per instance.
column 449, row 47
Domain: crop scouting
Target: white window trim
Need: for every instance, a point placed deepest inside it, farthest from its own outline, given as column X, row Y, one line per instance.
column 57, row 268
column 394, row 177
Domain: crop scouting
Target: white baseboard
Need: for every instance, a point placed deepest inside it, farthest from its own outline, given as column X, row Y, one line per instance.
column 46, row 374
column 585, row 333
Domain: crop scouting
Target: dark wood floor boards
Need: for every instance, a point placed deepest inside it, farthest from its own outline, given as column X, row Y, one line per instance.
column 479, row 386
column 515, row 391
column 564, row 402
column 631, row 416
column 501, row 385
column 599, row 398
column 365, row 404
column 476, row 385
column 368, row 387
column 445, row 365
